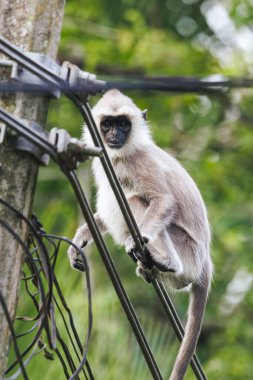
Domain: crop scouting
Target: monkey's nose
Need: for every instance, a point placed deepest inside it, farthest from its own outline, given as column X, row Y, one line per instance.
column 115, row 138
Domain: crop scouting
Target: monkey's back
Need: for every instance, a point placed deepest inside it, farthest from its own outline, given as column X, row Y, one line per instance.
column 188, row 227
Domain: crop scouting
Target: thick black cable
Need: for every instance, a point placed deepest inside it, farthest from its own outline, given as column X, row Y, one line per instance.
column 212, row 88
column 164, row 84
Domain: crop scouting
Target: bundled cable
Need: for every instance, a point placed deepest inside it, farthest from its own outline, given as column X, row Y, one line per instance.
column 48, row 300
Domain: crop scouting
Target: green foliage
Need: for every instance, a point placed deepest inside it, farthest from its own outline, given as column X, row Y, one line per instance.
column 212, row 137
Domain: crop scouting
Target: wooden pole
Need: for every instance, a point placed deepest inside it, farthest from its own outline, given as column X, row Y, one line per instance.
column 33, row 25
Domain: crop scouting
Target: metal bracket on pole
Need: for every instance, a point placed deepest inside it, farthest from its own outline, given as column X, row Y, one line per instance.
column 18, row 73
column 31, row 138
column 82, row 82
column 70, row 149
column 5, row 63
column 21, row 144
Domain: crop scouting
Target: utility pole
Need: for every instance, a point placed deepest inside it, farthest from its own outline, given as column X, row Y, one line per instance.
column 35, row 26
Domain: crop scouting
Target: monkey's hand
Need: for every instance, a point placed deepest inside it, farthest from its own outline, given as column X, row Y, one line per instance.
column 75, row 257
column 143, row 257
column 81, row 239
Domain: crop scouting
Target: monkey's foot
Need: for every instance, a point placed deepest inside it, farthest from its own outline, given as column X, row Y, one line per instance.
column 143, row 257
column 166, row 264
column 151, row 258
column 158, row 261
column 79, row 265
column 75, row 257
column 163, row 267
column 143, row 273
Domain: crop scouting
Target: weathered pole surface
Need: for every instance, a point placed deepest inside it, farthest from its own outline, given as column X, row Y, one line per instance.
column 33, row 25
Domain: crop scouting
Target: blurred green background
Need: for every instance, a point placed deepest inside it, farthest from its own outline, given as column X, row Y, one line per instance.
column 211, row 136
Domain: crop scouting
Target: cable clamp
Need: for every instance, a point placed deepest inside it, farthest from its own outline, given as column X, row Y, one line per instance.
column 82, row 82
column 21, row 144
column 70, row 149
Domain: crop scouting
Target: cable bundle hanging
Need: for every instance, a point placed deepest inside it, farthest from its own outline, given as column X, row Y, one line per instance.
column 41, row 254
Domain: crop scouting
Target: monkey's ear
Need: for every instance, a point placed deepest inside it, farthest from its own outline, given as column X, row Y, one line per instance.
column 144, row 114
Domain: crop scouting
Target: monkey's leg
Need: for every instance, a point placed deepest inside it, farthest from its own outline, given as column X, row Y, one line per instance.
column 160, row 254
column 81, row 239
column 164, row 255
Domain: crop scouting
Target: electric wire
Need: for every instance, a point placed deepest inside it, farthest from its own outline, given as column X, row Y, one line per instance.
column 45, row 311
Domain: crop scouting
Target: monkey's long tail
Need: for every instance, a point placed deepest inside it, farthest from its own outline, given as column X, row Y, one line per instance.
column 197, row 305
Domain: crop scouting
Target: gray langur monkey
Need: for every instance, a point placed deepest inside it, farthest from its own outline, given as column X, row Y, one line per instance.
column 166, row 204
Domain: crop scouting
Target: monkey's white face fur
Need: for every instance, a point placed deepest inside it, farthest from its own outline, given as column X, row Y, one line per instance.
column 114, row 103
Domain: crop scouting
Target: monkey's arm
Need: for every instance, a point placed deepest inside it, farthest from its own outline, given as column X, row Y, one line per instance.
column 83, row 234
column 157, row 214
column 81, row 239
column 152, row 217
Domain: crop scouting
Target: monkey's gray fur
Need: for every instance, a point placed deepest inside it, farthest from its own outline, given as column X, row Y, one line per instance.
column 167, row 206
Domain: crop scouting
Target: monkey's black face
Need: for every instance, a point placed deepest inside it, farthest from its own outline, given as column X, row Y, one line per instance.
column 115, row 130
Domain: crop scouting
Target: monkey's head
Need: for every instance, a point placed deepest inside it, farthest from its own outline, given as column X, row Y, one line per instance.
column 121, row 124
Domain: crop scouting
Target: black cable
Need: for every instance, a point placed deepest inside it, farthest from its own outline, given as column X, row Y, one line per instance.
column 165, row 84
column 84, row 349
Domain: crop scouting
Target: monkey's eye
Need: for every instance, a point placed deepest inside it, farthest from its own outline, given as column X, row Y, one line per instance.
column 124, row 124
column 106, row 124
